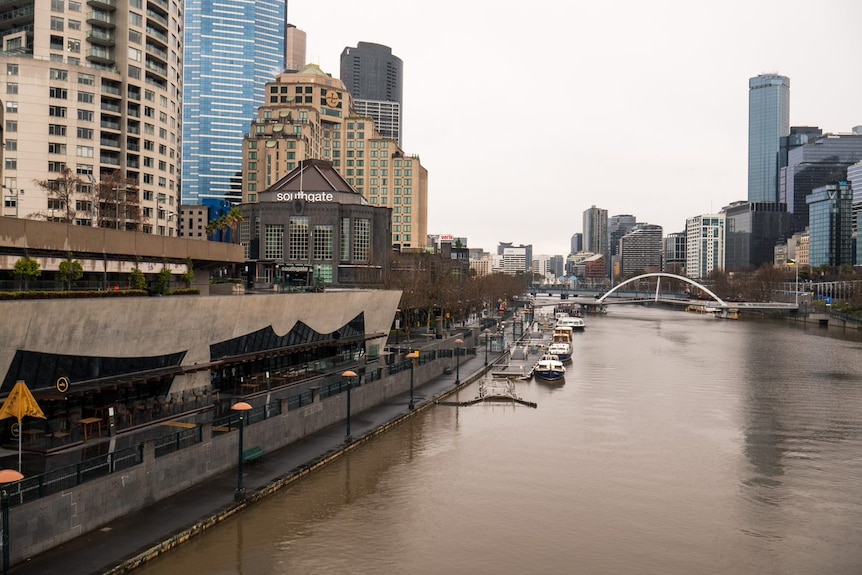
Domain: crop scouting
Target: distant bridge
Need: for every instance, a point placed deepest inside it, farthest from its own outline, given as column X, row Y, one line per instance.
column 621, row 296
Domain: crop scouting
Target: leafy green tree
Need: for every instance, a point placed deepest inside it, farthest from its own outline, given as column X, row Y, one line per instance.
column 163, row 280
column 70, row 271
column 26, row 269
column 137, row 280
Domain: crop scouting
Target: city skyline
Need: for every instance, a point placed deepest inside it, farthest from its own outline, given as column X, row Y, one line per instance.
column 644, row 106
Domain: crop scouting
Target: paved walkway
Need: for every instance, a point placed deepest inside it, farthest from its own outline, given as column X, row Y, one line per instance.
column 123, row 544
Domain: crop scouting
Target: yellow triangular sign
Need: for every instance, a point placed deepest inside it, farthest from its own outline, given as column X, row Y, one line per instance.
column 20, row 403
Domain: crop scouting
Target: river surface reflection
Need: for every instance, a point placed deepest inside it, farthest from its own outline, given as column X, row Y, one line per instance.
column 678, row 444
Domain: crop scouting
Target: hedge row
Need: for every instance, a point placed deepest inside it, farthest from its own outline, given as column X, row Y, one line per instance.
column 22, row 295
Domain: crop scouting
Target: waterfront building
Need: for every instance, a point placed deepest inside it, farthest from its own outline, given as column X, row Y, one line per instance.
column 768, row 122
column 91, row 109
column 819, row 162
column 830, row 229
column 232, row 49
column 310, row 115
column 375, row 79
column 480, row 262
column 753, row 230
column 705, row 244
column 618, row 226
column 640, row 250
column 311, row 228
column 673, row 253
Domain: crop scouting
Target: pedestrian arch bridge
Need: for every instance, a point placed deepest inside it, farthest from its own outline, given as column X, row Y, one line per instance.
column 621, row 294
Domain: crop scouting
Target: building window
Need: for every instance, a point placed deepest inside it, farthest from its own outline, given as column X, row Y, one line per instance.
column 56, row 130
column 274, row 242
column 57, row 111
column 59, row 93
column 361, row 240
column 11, row 88
column 11, row 145
column 298, row 238
column 11, row 163
column 323, row 248
column 56, row 166
column 85, row 97
column 54, row 148
column 11, row 126
column 11, row 107
column 345, row 239
column 11, row 69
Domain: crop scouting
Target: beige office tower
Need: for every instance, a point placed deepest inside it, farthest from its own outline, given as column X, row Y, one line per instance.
column 310, row 115
column 92, row 112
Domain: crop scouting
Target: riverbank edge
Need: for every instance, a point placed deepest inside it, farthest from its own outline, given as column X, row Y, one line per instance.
column 202, row 525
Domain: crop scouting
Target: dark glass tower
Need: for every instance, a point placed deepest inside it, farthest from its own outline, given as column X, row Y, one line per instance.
column 375, row 79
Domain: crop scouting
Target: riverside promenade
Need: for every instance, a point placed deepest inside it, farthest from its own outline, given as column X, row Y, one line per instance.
column 124, row 544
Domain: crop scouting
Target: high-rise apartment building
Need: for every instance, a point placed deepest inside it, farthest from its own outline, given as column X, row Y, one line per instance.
column 91, row 109
column 310, row 115
column 641, row 250
column 375, row 78
column 704, row 244
column 294, row 54
column 232, row 49
column 768, row 122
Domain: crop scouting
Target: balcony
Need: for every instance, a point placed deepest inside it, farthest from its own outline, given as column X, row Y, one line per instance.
column 101, row 19
column 100, row 56
column 101, row 38
column 109, row 5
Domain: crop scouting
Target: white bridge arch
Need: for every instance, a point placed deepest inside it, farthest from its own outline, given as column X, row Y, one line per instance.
column 720, row 301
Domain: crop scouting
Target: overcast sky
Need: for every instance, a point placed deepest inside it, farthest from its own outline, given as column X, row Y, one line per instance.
column 525, row 114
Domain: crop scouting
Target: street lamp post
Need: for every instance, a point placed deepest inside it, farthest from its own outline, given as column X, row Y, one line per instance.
column 412, row 357
column 458, row 343
column 348, row 375
column 795, row 265
column 487, row 333
column 7, row 476
column 241, row 407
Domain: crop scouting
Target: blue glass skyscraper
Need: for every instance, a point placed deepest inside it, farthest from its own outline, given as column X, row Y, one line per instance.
column 768, row 122
column 232, row 48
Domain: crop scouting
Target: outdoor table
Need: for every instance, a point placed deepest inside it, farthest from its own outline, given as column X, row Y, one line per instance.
column 88, row 422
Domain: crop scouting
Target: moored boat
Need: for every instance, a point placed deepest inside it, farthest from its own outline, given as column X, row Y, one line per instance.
column 550, row 368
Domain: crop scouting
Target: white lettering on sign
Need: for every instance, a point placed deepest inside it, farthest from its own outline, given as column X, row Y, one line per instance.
column 308, row 197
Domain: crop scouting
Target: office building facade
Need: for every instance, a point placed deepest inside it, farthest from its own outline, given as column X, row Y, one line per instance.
column 768, row 122
column 232, row 49
column 310, row 115
column 674, row 253
column 830, row 225
column 375, row 79
column 820, row 162
column 595, row 225
column 753, row 229
column 91, row 110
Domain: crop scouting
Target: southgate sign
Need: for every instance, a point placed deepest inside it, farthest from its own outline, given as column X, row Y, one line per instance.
column 308, row 197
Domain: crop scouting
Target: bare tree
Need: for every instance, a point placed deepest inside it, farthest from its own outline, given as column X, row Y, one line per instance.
column 63, row 193
column 119, row 203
